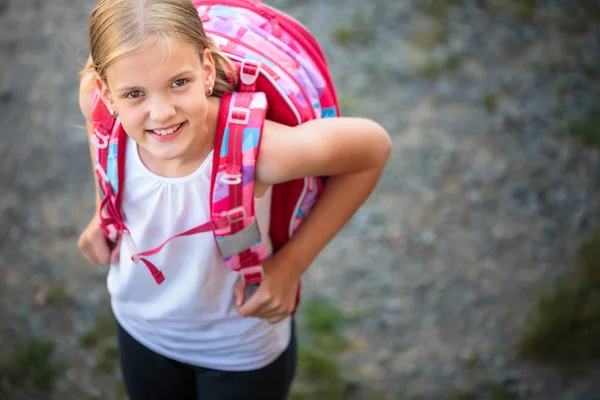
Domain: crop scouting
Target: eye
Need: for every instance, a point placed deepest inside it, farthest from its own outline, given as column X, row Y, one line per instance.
column 134, row 94
column 180, row 82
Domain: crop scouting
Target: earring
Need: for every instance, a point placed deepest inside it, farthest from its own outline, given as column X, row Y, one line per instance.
column 209, row 92
column 113, row 113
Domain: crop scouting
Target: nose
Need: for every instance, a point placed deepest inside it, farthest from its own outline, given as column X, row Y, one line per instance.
column 162, row 110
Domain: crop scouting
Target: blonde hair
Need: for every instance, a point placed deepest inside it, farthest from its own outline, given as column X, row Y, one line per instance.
column 118, row 28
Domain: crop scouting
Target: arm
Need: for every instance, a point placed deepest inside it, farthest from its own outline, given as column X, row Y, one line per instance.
column 86, row 89
column 92, row 243
column 353, row 153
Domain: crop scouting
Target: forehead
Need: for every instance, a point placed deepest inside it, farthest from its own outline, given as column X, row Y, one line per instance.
column 154, row 63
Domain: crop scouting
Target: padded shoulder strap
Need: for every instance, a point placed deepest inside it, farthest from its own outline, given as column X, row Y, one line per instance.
column 236, row 150
column 109, row 140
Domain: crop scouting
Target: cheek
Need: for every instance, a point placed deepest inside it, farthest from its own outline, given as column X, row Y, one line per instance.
column 132, row 122
column 197, row 109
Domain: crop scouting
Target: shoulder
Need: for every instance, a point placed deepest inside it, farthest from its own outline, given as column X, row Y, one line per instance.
column 286, row 152
column 319, row 147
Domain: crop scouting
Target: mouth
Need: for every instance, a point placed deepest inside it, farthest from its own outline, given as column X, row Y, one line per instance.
column 168, row 133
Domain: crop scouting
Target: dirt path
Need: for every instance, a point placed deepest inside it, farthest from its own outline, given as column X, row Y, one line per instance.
column 481, row 207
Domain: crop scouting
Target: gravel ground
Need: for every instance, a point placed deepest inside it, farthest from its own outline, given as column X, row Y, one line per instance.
column 480, row 209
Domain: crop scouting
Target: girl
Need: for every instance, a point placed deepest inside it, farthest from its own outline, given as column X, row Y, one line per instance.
column 200, row 336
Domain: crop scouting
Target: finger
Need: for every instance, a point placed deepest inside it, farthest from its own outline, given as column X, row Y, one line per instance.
column 239, row 292
column 89, row 256
column 276, row 319
column 276, row 314
column 254, row 303
column 87, row 250
column 270, row 309
column 102, row 251
column 116, row 252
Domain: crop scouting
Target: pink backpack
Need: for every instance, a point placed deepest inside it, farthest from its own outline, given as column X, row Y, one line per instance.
column 284, row 77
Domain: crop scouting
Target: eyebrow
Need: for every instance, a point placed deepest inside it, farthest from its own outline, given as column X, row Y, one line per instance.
column 174, row 78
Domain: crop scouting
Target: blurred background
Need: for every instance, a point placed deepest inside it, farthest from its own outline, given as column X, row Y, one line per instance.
column 472, row 272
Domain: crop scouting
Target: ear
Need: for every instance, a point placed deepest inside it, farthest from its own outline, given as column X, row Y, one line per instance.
column 208, row 66
column 105, row 95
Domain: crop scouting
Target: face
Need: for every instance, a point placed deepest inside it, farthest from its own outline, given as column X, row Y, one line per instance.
column 160, row 96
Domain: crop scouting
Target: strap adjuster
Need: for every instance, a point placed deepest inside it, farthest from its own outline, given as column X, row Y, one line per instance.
column 249, row 71
column 235, row 215
column 130, row 244
column 102, row 174
column 252, row 275
column 231, row 179
column 239, row 115
column 99, row 140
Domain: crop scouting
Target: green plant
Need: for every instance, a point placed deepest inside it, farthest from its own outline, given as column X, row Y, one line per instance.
column 432, row 69
column 489, row 391
column 565, row 328
column 588, row 260
column 361, row 32
column 57, row 294
column 587, row 129
column 523, row 10
column 436, row 9
column 32, row 361
column 103, row 329
column 107, row 361
column 490, row 102
column 319, row 374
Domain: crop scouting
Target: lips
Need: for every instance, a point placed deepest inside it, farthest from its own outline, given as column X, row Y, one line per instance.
column 168, row 133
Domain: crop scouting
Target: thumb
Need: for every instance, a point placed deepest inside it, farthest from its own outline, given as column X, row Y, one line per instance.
column 239, row 291
column 116, row 251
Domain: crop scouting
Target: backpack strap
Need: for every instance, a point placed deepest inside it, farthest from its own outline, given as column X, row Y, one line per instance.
column 232, row 195
column 109, row 141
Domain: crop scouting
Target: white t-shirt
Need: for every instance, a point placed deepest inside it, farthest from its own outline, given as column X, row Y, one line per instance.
column 191, row 316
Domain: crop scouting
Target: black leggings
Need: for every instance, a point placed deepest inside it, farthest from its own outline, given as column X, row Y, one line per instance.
column 150, row 376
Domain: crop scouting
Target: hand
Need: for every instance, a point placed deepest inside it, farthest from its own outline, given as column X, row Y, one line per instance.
column 95, row 247
column 275, row 297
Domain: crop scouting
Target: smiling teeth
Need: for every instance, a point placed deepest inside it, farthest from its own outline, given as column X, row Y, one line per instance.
column 167, row 131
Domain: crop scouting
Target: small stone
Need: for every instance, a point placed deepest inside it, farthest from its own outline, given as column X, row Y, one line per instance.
column 499, row 231
column 383, row 356
column 394, row 305
column 428, row 237
column 449, row 370
column 474, row 197
column 511, row 376
column 15, row 233
column 500, row 171
column 71, row 374
column 466, row 354
column 369, row 370
column 499, row 362
column 407, row 369
column 41, row 296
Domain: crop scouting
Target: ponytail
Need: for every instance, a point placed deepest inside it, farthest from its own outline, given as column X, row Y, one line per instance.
column 226, row 77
